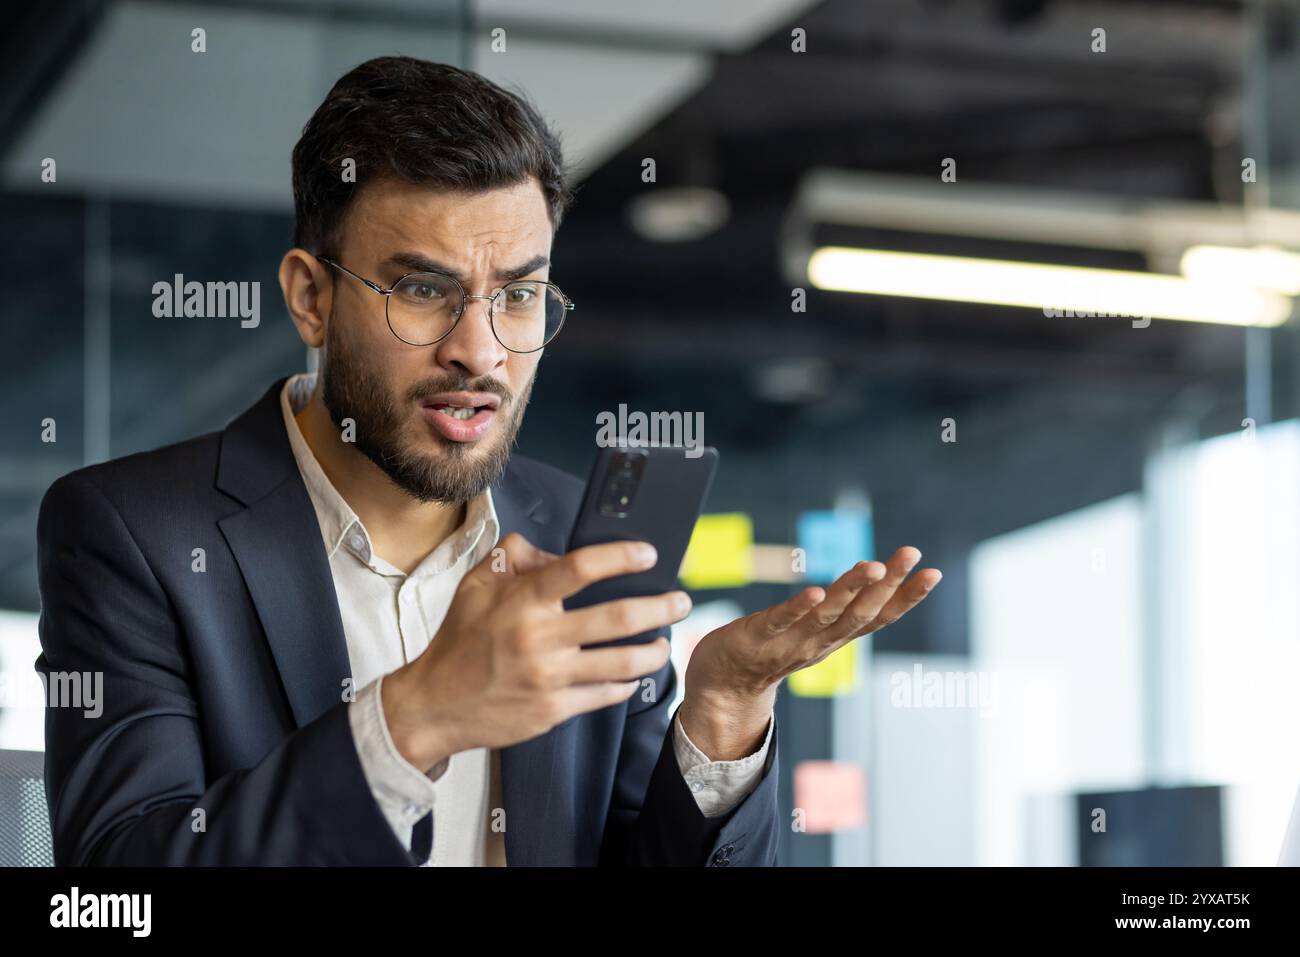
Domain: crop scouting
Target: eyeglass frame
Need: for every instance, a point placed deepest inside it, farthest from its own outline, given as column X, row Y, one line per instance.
column 387, row 293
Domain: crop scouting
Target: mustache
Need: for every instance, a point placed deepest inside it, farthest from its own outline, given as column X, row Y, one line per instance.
column 422, row 390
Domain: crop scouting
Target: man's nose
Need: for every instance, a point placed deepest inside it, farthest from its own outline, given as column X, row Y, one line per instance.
column 471, row 346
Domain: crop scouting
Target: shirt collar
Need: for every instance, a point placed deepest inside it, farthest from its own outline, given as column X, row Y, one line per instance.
column 332, row 511
column 340, row 525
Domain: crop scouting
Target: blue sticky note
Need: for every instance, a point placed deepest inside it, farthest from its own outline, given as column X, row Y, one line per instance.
column 833, row 542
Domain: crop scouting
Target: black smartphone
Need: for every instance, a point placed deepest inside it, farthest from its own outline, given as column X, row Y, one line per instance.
column 650, row 495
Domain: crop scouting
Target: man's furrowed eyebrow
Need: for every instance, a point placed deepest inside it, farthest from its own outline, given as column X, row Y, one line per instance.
column 416, row 262
column 519, row 272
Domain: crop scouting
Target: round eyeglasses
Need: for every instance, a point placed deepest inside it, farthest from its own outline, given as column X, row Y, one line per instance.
column 423, row 307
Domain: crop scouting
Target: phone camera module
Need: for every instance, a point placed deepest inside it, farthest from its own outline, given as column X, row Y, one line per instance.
column 621, row 483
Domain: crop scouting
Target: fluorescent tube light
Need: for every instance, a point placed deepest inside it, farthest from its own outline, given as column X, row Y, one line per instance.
column 1261, row 267
column 1079, row 290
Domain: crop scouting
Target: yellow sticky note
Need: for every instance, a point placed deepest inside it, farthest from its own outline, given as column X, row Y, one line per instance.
column 835, row 674
column 720, row 554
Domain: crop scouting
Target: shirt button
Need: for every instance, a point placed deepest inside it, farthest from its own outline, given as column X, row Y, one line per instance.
column 408, row 598
column 413, row 810
column 357, row 542
column 697, row 786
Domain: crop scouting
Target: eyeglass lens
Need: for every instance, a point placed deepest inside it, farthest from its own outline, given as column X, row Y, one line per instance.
column 526, row 314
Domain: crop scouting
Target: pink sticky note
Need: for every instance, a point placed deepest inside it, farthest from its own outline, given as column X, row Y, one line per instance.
column 831, row 794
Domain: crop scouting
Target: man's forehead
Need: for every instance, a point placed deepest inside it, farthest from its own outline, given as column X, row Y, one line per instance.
column 407, row 206
column 509, row 225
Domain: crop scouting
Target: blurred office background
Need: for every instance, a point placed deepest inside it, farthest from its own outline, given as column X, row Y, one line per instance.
column 1107, row 673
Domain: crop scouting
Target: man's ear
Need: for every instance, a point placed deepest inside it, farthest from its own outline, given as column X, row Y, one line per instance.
column 308, row 290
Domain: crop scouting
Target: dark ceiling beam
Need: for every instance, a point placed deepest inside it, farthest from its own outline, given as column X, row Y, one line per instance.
column 39, row 43
column 710, row 343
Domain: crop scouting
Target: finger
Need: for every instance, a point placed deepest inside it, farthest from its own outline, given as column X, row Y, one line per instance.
column 621, row 618
column 582, row 566
column 579, row 699
column 616, row 664
column 780, row 618
column 899, row 564
column 869, row 603
column 841, row 593
column 911, row 594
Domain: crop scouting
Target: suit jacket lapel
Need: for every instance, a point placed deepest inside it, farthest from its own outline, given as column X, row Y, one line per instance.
column 532, row 787
column 276, row 541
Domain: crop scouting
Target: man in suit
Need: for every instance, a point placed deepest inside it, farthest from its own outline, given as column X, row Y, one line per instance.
column 334, row 632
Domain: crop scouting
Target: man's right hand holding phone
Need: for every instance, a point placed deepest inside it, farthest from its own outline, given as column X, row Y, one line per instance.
column 507, row 664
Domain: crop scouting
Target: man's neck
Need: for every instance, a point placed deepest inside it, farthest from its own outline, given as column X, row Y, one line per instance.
column 402, row 529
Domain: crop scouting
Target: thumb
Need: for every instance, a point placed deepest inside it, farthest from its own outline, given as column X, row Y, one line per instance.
column 515, row 555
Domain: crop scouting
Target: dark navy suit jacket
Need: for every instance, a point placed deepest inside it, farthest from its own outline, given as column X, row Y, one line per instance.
column 224, row 736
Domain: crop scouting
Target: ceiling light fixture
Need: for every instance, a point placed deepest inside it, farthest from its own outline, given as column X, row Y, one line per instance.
column 1082, row 291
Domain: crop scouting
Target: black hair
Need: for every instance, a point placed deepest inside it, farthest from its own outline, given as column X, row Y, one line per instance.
column 419, row 122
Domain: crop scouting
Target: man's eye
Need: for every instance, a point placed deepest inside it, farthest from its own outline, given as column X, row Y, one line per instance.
column 520, row 295
column 422, row 292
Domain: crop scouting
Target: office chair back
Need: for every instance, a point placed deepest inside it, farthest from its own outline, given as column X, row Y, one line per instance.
column 24, row 818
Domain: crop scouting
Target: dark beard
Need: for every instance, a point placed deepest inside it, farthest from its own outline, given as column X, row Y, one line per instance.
column 456, row 472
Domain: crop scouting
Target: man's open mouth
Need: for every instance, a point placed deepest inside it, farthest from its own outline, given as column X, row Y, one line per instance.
column 461, row 416
column 457, row 412
column 462, row 405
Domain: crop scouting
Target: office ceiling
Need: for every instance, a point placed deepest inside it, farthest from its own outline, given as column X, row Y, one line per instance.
column 713, row 92
column 1013, row 92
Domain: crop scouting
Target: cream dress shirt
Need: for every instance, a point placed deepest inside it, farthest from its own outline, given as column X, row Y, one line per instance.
column 389, row 618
